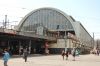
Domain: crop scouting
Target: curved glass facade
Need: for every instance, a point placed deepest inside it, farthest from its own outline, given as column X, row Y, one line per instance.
column 50, row 19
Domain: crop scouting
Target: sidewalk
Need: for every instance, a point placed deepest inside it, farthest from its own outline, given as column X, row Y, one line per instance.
column 55, row 60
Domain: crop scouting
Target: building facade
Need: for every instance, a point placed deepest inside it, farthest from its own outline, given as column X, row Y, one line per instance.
column 52, row 22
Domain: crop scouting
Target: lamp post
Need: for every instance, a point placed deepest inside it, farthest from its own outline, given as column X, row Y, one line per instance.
column 65, row 38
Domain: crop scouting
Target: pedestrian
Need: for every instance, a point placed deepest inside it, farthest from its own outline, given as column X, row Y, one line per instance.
column 63, row 54
column 6, row 57
column 77, row 52
column 73, row 54
column 20, row 51
column 25, row 54
column 97, row 52
column 67, row 53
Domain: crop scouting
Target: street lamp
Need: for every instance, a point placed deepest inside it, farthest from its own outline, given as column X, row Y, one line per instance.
column 65, row 38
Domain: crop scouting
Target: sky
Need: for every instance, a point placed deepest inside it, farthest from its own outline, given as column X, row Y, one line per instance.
column 85, row 11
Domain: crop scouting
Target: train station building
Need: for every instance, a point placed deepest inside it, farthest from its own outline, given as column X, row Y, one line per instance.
column 47, row 29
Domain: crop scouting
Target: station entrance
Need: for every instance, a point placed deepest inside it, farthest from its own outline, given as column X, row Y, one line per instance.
column 16, row 43
column 16, row 47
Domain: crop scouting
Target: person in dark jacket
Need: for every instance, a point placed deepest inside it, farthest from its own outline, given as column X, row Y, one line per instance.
column 25, row 54
column 63, row 54
column 74, row 53
column 67, row 53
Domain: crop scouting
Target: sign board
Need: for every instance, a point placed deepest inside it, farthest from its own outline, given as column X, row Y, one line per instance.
column 39, row 30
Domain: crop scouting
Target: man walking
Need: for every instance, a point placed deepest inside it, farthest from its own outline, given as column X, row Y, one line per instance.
column 63, row 54
column 74, row 53
column 67, row 53
column 25, row 54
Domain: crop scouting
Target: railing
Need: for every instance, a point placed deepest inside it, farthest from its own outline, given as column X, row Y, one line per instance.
column 29, row 34
column 32, row 34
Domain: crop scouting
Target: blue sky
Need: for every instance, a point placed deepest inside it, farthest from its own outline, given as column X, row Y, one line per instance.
column 85, row 11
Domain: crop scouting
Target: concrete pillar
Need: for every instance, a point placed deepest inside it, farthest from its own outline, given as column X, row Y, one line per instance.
column 29, row 47
column 20, row 48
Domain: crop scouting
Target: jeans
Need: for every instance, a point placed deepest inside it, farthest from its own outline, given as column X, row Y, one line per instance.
column 5, row 63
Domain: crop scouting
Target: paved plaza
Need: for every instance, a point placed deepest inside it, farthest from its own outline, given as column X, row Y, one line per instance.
column 54, row 60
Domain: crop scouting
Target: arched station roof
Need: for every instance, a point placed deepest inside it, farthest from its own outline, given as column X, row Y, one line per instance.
column 50, row 18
